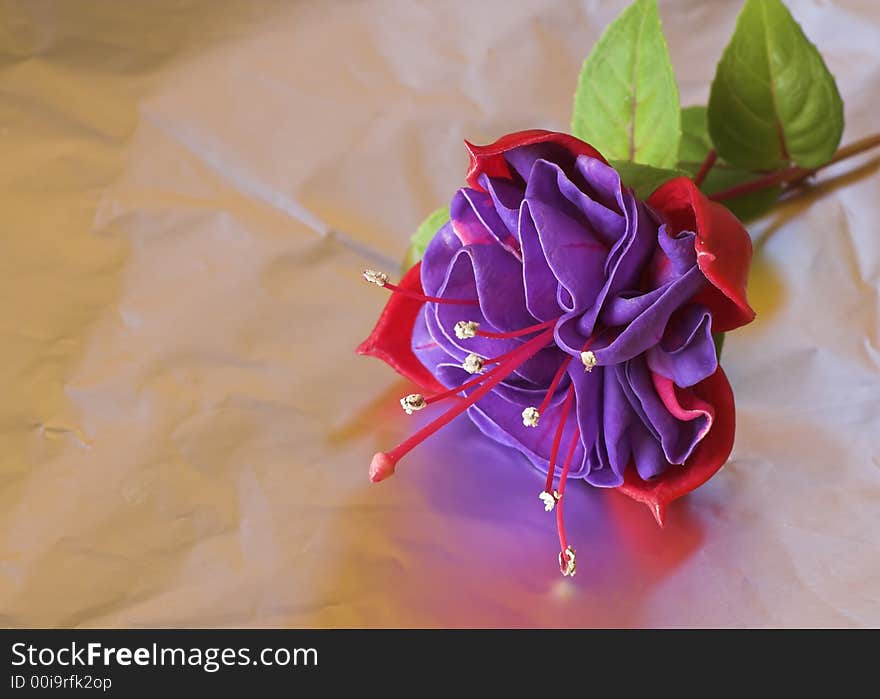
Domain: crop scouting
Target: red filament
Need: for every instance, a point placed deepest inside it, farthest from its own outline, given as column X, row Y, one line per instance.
column 560, row 524
column 383, row 464
column 517, row 333
column 427, row 299
column 557, row 438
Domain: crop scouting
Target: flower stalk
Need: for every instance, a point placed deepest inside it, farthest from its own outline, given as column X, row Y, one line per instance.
column 790, row 176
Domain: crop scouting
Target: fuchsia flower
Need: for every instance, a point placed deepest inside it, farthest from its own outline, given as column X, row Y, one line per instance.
column 573, row 322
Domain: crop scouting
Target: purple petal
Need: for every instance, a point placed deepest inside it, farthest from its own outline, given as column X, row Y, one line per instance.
column 686, row 354
column 647, row 454
column 617, row 416
column 502, row 421
column 506, row 197
column 648, row 327
column 522, row 159
column 437, row 257
column 575, row 256
column 603, row 183
column 475, row 221
column 497, row 275
column 540, row 284
column 675, row 257
column 677, row 438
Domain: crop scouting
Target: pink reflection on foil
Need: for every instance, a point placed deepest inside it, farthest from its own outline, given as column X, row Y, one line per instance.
column 458, row 537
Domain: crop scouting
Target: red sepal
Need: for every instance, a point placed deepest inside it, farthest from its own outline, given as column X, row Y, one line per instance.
column 708, row 456
column 391, row 339
column 724, row 249
column 490, row 160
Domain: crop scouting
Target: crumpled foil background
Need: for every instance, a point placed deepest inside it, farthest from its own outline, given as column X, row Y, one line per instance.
column 188, row 191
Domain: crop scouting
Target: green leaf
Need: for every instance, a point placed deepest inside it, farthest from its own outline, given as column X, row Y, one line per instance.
column 695, row 141
column 695, row 146
column 773, row 99
column 626, row 104
column 644, row 179
column 420, row 239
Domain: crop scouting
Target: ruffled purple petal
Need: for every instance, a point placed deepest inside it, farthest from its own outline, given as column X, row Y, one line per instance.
column 617, row 416
column 607, row 222
column 673, row 259
column 647, row 455
column 437, row 257
column 623, row 269
column 575, row 257
column 646, row 329
column 686, row 354
column 496, row 277
column 502, row 421
column 540, row 284
column 476, row 221
column 523, row 159
column 677, row 438
column 506, row 197
column 602, row 183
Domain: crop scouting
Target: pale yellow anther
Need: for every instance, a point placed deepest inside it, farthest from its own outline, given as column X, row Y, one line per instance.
column 566, row 562
column 412, row 403
column 472, row 364
column 549, row 499
column 466, row 329
column 374, row 277
column 588, row 359
column 530, row 417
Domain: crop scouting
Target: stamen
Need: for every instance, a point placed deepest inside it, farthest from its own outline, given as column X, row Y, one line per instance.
column 549, row 499
column 589, row 360
column 466, row 329
column 530, row 417
column 413, row 403
column 374, row 277
column 535, row 413
column 566, row 555
column 566, row 562
column 501, row 357
column 472, row 364
column 516, row 333
column 381, row 279
column 437, row 397
column 384, row 463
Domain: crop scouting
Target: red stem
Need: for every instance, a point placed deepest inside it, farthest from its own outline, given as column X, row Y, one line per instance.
column 711, row 156
column 794, row 175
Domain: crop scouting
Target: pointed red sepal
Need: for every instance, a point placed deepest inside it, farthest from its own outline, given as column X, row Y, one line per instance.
column 391, row 339
column 490, row 160
column 724, row 249
column 709, row 455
